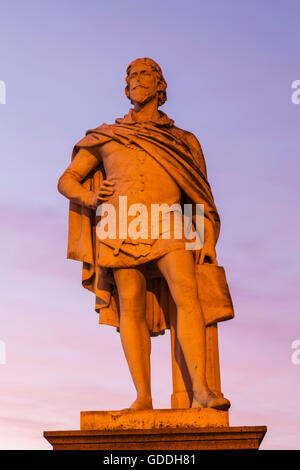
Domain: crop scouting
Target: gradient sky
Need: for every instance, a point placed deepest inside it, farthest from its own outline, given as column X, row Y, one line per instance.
column 229, row 67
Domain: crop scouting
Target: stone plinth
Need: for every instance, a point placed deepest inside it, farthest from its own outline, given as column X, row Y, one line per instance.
column 152, row 419
column 186, row 429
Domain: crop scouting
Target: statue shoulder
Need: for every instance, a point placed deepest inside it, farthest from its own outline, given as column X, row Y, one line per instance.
column 194, row 145
column 189, row 138
column 96, row 137
column 99, row 129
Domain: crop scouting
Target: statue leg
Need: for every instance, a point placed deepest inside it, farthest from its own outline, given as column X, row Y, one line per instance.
column 135, row 337
column 179, row 271
column 182, row 395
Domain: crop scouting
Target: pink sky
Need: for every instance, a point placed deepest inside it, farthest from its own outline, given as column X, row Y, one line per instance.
column 229, row 70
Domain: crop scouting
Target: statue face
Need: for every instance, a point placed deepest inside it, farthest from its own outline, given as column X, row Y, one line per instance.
column 143, row 83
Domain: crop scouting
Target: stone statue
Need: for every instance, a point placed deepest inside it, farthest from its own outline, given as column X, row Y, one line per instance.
column 142, row 283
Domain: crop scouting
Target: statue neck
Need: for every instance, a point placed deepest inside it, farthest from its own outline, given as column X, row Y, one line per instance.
column 146, row 112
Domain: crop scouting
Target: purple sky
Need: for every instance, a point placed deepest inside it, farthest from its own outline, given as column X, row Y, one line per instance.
column 229, row 67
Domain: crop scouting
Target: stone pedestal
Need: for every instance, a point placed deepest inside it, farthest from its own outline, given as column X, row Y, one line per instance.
column 152, row 419
column 181, row 429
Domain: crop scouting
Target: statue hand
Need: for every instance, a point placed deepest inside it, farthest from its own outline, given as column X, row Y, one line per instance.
column 104, row 192
column 207, row 254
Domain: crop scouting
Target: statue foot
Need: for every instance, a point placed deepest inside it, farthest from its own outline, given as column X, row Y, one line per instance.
column 141, row 404
column 210, row 400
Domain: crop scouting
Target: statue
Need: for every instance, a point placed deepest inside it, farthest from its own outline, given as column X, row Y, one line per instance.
column 141, row 283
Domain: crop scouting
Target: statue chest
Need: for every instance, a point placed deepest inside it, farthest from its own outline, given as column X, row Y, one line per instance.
column 139, row 177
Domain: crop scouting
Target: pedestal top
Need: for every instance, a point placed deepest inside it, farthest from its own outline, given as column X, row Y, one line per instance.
column 152, row 419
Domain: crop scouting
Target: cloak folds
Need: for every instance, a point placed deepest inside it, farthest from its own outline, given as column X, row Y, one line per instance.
column 180, row 154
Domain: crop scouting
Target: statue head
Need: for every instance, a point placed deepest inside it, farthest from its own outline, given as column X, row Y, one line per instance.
column 144, row 81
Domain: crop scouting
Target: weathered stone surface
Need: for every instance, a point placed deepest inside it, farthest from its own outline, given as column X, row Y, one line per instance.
column 152, row 419
column 220, row 438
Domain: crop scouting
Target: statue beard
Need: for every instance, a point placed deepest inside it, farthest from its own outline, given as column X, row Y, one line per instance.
column 142, row 95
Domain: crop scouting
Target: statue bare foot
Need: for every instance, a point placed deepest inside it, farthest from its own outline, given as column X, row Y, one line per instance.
column 208, row 399
column 141, row 404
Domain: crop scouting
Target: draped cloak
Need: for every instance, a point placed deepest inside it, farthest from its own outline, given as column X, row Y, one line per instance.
column 180, row 154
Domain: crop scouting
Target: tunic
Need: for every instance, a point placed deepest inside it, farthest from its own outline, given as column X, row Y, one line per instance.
column 144, row 181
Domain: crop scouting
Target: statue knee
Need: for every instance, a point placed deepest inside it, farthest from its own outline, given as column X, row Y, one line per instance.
column 132, row 304
column 129, row 312
column 185, row 294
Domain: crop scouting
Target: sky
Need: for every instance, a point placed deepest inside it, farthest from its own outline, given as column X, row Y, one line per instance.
column 229, row 68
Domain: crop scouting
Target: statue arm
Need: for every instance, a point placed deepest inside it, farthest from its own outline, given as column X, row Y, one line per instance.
column 210, row 239
column 69, row 184
column 197, row 153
